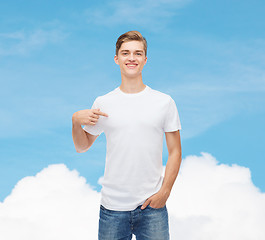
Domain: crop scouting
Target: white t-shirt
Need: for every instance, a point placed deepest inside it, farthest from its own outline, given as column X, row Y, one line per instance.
column 134, row 132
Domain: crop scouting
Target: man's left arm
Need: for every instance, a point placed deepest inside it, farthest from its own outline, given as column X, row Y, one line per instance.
column 159, row 199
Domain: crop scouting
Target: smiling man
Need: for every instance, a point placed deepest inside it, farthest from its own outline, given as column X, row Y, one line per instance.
column 134, row 118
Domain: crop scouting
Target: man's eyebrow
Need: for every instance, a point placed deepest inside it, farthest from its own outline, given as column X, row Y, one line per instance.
column 129, row 51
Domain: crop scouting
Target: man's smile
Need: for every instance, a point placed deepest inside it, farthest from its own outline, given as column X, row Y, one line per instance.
column 131, row 65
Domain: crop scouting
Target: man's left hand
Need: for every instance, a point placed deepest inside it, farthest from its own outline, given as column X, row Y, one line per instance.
column 158, row 200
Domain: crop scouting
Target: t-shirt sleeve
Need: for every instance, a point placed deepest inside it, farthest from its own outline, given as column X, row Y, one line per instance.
column 97, row 128
column 172, row 121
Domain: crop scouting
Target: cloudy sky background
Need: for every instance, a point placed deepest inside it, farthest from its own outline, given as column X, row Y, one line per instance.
column 56, row 58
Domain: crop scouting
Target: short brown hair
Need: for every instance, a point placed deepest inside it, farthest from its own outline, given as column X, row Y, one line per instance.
column 131, row 36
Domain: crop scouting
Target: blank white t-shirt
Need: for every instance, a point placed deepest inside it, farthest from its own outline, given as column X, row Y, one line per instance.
column 134, row 132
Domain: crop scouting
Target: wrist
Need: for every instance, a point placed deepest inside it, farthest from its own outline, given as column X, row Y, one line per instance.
column 165, row 191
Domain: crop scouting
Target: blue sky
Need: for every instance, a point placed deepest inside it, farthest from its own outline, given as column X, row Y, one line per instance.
column 57, row 57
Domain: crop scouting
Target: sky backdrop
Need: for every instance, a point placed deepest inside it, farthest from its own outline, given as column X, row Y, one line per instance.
column 56, row 57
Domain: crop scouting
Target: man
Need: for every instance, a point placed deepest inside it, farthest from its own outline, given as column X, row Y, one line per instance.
column 134, row 118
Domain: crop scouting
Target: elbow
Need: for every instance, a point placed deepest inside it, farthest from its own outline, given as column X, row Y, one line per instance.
column 82, row 150
column 177, row 153
column 79, row 151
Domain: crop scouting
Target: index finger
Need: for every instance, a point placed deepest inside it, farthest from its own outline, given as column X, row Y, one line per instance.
column 101, row 113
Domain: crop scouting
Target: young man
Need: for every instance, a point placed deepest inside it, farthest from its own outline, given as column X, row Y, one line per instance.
column 134, row 118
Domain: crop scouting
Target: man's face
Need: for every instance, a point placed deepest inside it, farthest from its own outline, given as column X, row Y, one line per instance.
column 131, row 58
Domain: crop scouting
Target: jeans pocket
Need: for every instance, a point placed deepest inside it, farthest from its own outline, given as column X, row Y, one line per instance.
column 102, row 208
column 155, row 208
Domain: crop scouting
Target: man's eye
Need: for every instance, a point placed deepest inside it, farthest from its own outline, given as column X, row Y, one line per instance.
column 139, row 54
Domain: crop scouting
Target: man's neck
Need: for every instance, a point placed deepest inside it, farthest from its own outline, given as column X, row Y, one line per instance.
column 132, row 85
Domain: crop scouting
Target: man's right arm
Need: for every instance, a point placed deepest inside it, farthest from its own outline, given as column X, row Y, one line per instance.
column 82, row 139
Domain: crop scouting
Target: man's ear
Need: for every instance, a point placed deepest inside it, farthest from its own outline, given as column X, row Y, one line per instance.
column 116, row 59
column 145, row 60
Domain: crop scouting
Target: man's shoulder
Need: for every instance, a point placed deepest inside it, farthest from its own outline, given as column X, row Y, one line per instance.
column 160, row 94
column 107, row 96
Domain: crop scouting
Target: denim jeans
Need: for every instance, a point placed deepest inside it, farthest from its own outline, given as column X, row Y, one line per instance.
column 147, row 224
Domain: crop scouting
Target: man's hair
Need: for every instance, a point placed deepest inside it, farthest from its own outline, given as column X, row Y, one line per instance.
column 131, row 36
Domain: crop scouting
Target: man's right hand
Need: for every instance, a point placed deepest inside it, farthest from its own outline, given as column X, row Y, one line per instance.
column 87, row 116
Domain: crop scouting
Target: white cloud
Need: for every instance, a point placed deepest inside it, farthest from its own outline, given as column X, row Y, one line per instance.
column 216, row 201
column 153, row 15
column 55, row 204
column 208, row 201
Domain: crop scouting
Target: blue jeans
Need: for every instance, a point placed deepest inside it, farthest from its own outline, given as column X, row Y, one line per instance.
column 147, row 224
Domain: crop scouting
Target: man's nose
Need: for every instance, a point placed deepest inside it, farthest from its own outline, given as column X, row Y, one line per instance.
column 131, row 56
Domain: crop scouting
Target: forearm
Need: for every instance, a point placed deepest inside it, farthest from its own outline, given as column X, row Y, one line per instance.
column 79, row 137
column 159, row 199
column 171, row 172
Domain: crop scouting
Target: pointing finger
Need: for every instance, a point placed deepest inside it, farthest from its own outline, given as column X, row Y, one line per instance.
column 102, row 113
